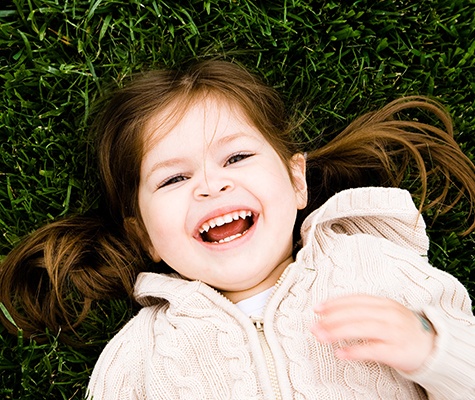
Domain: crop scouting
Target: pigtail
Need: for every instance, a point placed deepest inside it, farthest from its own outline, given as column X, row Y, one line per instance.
column 383, row 149
column 51, row 279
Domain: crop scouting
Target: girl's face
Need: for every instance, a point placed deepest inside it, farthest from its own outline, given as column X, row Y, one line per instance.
column 217, row 201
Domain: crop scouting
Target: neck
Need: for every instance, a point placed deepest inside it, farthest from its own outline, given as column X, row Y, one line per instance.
column 271, row 280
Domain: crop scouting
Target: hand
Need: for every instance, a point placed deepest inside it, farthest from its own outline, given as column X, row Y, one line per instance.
column 369, row 328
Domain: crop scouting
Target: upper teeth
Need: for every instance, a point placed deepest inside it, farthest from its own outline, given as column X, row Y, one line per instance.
column 224, row 219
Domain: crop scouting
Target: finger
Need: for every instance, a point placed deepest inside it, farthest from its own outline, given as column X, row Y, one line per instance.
column 353, row 308
column 345, row 302
column 365, row 330
column 407, row 359
column 376, row 352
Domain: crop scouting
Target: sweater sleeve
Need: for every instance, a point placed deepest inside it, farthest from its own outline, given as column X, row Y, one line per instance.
column 389, row 214
column 449, row 371
column 118, row 373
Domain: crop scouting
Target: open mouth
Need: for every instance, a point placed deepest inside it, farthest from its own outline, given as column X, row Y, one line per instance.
column 227, row 227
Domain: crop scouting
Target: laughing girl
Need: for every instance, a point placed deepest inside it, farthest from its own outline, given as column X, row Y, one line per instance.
column 276, row 274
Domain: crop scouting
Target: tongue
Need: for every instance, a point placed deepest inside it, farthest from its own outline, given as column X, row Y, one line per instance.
column 221, row 232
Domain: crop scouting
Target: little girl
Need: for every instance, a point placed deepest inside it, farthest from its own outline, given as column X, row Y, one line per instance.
column 201, row 176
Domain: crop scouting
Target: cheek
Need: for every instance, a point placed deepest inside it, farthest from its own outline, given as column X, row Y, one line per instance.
column 164, row 220
column 279, row 181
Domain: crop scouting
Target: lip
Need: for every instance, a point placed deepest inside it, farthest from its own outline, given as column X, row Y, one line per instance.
column 219, row 213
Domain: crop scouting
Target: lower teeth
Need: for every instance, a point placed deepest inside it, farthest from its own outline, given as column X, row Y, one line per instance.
column 230, row 238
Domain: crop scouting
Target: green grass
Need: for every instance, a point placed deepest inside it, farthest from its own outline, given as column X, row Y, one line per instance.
column 332, row 60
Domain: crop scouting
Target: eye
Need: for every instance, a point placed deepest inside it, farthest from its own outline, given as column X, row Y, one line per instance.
column 237, row 157
column 172, row 180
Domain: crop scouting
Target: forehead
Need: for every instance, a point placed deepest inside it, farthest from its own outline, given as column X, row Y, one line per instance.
column 203, row 119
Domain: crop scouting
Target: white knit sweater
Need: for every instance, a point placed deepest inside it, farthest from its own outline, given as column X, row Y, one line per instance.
column 190, row 342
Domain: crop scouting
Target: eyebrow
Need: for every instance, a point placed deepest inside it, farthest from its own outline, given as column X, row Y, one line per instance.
column 234, row 136
column 163, row 164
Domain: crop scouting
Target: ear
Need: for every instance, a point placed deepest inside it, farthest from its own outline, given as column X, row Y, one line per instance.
column 138, row 235
column 297, row 170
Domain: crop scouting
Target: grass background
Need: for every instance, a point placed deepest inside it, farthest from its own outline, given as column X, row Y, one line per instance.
column 332, row 59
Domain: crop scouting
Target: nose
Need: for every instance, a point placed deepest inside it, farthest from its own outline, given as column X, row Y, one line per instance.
column 212, row 186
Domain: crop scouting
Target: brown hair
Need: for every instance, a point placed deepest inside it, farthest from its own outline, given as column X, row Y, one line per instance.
column 99, row 257
column 382, row 148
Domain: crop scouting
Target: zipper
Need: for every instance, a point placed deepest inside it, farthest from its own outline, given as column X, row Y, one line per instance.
column 258, row 323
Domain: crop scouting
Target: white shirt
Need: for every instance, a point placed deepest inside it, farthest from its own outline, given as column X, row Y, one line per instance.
column 254, row 305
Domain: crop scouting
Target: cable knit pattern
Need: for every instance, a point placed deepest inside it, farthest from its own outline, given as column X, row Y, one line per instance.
column 190, row 342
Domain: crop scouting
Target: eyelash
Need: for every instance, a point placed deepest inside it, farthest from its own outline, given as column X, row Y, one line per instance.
column 239, row 157
column 233, row 159
column 172, row 180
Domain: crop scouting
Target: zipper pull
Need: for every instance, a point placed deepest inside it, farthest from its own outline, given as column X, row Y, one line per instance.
column 258, row 323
